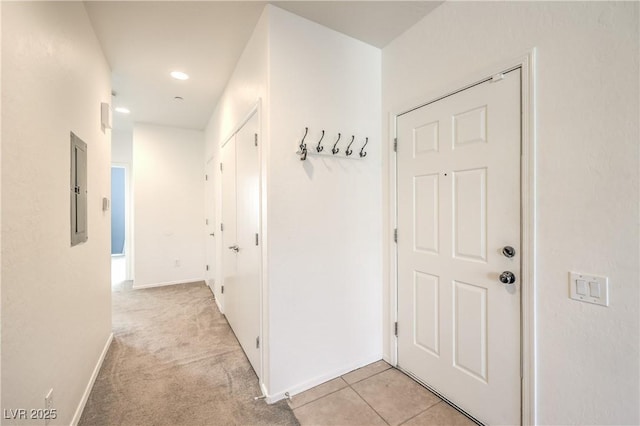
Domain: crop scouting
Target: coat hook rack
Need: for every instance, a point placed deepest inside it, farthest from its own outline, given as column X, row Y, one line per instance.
column 335, row 150
column 317, row 149
column 349, row 151
column 320, row 148
column 362, row 153
column 303, row 146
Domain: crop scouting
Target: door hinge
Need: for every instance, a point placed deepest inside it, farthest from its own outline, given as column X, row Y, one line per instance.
column 206, row 177
column 220, row 166
column 395, row 144
column 258, row 342
column 221, row 227
column 395, row 235
column 257, row 239
column 206, row 221
column 255, row 139
column 222, row 289
column 395, row 328
column 207, row 268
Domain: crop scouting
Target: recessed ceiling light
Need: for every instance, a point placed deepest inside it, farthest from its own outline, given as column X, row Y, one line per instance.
column 123, row 110
column 179, row 75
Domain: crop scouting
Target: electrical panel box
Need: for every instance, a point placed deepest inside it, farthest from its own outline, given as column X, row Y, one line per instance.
column 78, row 190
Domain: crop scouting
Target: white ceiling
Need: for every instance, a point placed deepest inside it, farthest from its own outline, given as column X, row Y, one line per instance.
column 145, row 40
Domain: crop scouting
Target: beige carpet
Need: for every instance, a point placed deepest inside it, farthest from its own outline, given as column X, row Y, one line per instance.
column 175, row 361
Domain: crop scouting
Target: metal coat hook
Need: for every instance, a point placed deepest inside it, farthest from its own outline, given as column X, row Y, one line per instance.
column 362, row 153
column 335, row 150
column 303, row 146
column 350, row 151
column 320, row 148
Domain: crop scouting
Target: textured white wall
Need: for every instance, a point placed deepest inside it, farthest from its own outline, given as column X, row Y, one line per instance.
column 122, row 146
column 587, row 178
column 246, row 86
column 320, row 220
column 325, row 252
column 0, row 210
column 168, row 207
column 56, row 299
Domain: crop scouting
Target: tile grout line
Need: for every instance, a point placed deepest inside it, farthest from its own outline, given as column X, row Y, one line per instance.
column 351, row 386
column 367, row 402
column 323, row 396
column 422, row 412
column 348, row 385
column 368, row 377
column 440, row 400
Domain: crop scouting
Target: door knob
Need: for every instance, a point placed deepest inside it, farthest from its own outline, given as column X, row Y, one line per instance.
column 508, row 251
column 507, row 277
column 234, row 248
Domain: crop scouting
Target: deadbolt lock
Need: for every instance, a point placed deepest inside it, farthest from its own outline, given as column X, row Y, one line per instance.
column 508, row 251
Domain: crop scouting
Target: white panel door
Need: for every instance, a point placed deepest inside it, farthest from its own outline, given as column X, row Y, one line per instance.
column 210, row 223
column 229, row 239
column 458, row 207
column 245, row 292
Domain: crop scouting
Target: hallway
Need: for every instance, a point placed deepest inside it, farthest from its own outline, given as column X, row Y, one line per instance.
column 331, row 236
column 174, row 360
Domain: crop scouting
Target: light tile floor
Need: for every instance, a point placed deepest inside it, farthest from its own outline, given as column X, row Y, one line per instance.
column 376, row 394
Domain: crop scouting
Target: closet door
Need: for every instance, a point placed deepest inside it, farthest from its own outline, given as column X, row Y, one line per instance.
column 228, row 227
column 241, row 238
column 210, row 224
column 247, row 291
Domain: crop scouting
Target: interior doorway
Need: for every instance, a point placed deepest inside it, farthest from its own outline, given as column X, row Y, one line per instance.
column 120, row 224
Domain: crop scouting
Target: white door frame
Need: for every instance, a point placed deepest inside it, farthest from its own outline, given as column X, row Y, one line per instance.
column 528, row 205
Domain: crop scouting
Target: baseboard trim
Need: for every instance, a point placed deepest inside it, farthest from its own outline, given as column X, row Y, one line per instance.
column 294, row 390
column 218, row 303
column 386, row 358
column 92, row 380
column 193, row 280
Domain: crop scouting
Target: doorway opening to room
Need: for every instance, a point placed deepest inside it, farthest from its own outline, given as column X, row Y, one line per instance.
column 120, row 225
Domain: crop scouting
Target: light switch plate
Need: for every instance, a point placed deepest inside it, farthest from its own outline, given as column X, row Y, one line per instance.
column 591, row 285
